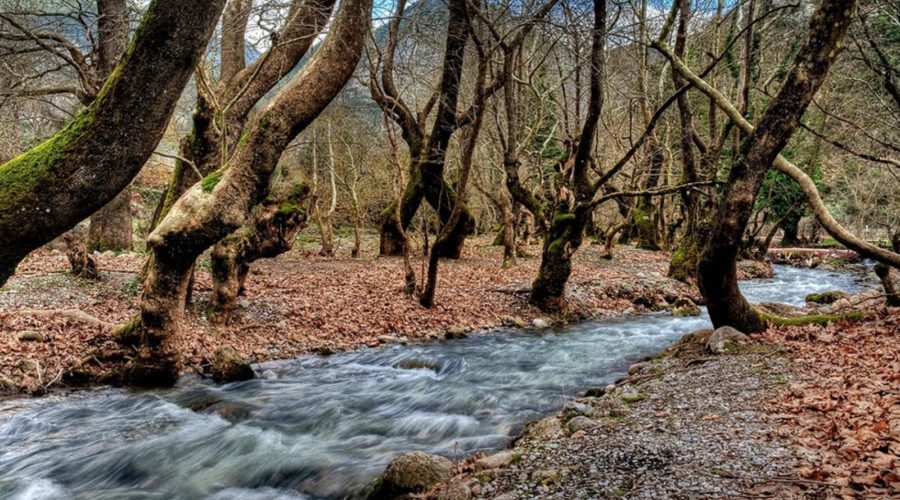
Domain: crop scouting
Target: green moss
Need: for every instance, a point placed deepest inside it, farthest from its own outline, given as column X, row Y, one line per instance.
column 826, row 297
column 209, row 182
column 814, row 319
column 631, row 399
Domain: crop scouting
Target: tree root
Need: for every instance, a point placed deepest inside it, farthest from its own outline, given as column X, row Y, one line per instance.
column 73, row 314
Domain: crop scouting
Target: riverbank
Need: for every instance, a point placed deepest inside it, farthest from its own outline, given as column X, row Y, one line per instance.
column 56, row 330
column 799, row 412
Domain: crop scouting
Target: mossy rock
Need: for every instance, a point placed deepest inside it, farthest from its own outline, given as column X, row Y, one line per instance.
column 228, row 366
column 410, row 473
column 828, row 297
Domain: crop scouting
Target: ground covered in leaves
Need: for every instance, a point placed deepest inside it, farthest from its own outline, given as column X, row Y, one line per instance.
column 56, row 329
column 800, row 412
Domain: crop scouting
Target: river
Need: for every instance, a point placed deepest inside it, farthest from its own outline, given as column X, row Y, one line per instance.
column 315, row 426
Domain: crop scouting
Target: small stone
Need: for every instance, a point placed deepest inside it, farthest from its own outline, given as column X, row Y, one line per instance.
column 541, row 323
column 578, row 434
column 580, row 423
column 722, row 336
column 495, row 461
column 30, row 336
column 576, row 408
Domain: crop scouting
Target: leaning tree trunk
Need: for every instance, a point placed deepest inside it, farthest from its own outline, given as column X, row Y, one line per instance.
column 561, row 241
column 222, row 201
column 270, row 232
column 644, row 210
column 110, row 227
column 54, row 186
column 718, row 263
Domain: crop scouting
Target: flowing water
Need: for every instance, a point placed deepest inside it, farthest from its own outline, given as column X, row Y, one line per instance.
column 325, row 426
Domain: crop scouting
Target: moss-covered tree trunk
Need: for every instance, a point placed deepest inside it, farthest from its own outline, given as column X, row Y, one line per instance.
column 270, row 232
column 54, row 186
column 718, row 262
column 561, row 241
column 222, row 202
column 574, row 206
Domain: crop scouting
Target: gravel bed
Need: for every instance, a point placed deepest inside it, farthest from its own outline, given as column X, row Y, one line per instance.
column 677, row 428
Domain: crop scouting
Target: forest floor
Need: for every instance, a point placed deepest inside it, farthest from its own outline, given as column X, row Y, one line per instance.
column 800, row 412
column 56, row 329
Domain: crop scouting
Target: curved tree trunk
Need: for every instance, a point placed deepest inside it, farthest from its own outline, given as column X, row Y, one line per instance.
column 718, row 263
column 221, row 202
column 52, row 187
column 270, row 232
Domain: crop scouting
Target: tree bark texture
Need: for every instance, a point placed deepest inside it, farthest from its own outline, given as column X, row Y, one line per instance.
column 221, row 203
column 51, row 187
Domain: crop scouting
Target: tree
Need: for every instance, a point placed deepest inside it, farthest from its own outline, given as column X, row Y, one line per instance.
column 717, row 266
column 221, row 202
column 50, row 188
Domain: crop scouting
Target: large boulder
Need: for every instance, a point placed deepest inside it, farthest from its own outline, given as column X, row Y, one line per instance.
column 721, row 338
column 229, row 366
column 411, row 473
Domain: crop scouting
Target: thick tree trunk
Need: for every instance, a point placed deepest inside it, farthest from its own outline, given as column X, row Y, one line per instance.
column 718, row 263
column 644, row 210
column 221, row 202
column 270, row 232
column 561, row 241
column 110, row 227
column 508, row 232
column 791, row 227
column 50, row 188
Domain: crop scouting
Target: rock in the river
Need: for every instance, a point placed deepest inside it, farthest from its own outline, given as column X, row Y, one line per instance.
column 541, row 323
column 684, row 306
column 418, row 364
column 495, row 461
column 826, row 297
column 228, row 366
column 455, row 332
column 719, row 340
column 413, row 472
column 30, row 336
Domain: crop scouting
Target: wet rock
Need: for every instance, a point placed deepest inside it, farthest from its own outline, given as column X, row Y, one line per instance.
column 410, row 473
column 455, row 332
column 685, row 307
column 232, row 411
column 595, row 392
column 7, row 385
column 323, row 349
column 228, row 366
column 637, row 367
column 828, row 297
column 514, row 321
column 418, row 364
column 541, row 323
column 30, row 336
column 580, row 423
column 495, row 461
column 721, row 338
